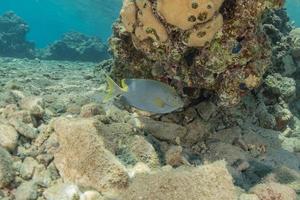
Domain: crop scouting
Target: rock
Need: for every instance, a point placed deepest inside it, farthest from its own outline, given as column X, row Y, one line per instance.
column 92, row 195
column 281, row 86
column 62, row 191
column 27, row 191
column 174, row 156
column 273, row 191
column 143, row 151
column 76, row 46
column 91, row 110
column 197, row 131
column 209, row 182
column 248, row 197
column 291, row 144
column 281, row 157
column 83, row 159
column 24, row 129
column 206, row 109
column 34, row 105
column 43, row 177
column 228, row 135
column 138, row 168
column 6, row 168
column 163, row 130
column 27, row 168
column 219, row 151
column 260, row 136
column 13, row 32
column 286, row 176
column 295, row 35
column 8, row 137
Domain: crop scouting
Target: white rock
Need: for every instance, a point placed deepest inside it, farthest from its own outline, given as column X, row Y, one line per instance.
column 8, row 137
column 62, row 191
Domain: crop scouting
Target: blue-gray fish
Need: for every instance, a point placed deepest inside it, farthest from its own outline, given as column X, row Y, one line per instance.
column 145, row 94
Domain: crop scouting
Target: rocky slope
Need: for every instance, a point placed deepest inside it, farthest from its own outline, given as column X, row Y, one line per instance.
column 59, row 142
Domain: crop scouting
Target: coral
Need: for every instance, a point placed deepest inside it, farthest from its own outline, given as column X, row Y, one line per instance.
column 189, row 12
column 13, row 32
column 295, row 35
column 212, row 45
column 76, row 46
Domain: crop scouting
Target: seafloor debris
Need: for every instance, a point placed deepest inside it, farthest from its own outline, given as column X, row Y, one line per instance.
column 194, row 45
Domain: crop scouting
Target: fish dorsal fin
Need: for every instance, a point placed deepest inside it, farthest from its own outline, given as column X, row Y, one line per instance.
column 124, row 85
column 159, row 102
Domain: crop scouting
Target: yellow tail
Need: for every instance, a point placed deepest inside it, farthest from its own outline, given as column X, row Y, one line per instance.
column 113, row 90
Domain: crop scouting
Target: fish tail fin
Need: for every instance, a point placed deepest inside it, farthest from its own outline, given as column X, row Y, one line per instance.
column 113, row 90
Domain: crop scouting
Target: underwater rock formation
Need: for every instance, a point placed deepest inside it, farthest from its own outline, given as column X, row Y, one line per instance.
column 295, row 35
column 76, row 46
column 193, row 45
column 13, row 32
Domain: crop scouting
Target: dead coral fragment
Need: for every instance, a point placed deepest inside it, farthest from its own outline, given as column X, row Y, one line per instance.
column 186, row 13
column 204, row 33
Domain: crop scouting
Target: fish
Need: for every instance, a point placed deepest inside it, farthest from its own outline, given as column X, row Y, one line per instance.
column 145, row 94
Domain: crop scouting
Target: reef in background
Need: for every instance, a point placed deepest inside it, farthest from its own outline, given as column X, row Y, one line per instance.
column 74, row 46
column 13, row 32
column 212, row 45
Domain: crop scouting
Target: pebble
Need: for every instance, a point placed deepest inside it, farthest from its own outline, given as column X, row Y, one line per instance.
column 27, row 191
column 6, row 168
column 8, row 137
column 27, row 168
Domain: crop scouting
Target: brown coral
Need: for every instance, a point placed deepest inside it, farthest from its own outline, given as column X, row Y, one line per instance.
column 186, row 13
column 227, row 53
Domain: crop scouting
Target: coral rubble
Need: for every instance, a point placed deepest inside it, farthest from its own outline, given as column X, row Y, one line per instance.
column 194, row 45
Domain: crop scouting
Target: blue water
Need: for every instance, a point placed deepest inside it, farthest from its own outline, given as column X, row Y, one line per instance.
column 50, row 19
column 293, row 8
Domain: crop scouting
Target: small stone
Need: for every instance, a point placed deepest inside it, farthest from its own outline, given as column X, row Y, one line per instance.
column 248, row 197
column 144, row 151
column 228, row 135
column 174, row 156
column 62, row 191
column 27, row 168
column 27, row 191
column 91, row 110
column 92, row 195
column 8, row 137
column 6, row 168
column 163, row 130
column 196, row 131
column 24, row 129
column 206, row 110
column 273, row 191
column 34, row 105
column 138, row 168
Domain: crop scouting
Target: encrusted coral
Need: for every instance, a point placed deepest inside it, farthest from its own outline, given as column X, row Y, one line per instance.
column 194, row 45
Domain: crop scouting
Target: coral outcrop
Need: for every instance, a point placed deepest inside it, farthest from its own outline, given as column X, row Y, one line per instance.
column 194, row 45
column 75, row 46
column 13, row 31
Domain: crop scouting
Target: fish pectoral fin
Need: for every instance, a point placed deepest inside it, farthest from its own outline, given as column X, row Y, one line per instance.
column 159, row 102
